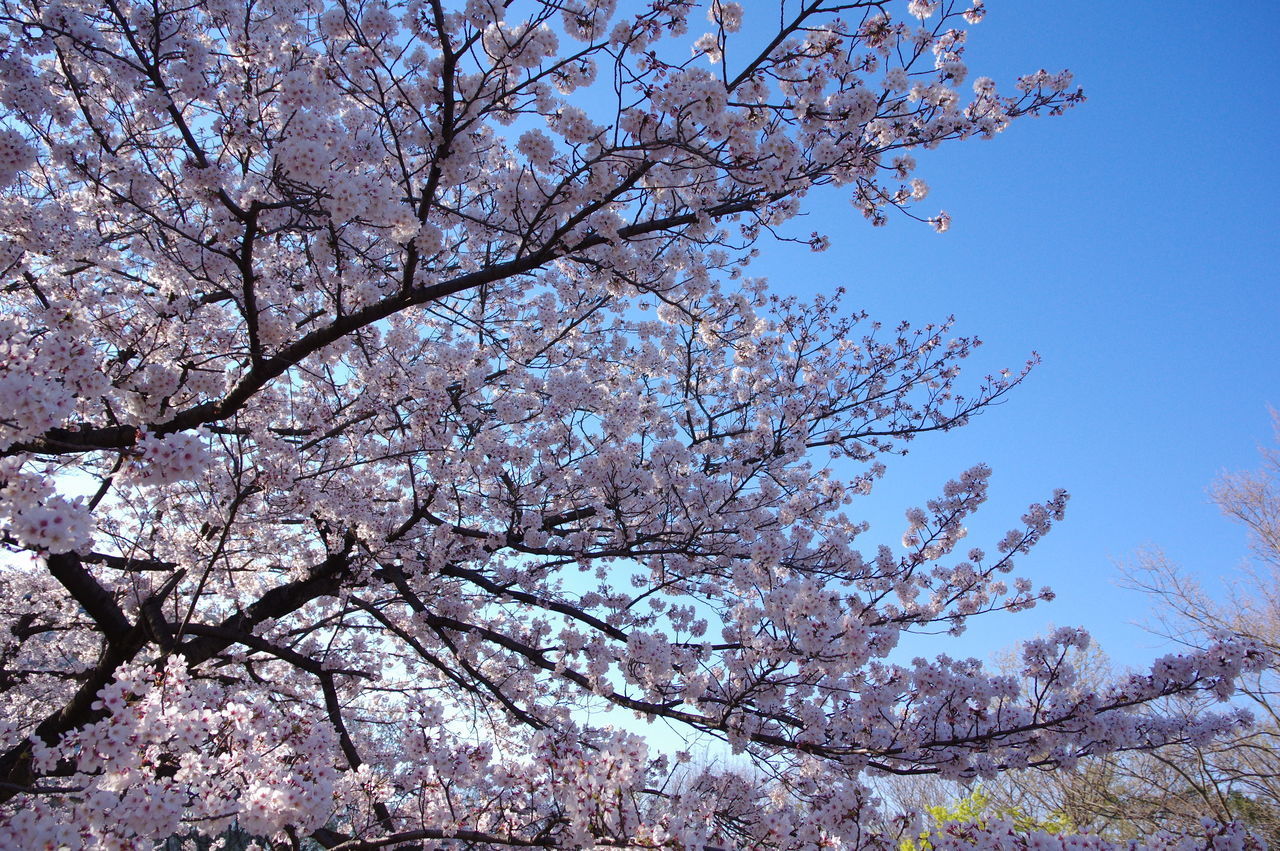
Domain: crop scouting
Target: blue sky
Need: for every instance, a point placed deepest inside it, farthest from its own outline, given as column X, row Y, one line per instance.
column 1131, row 243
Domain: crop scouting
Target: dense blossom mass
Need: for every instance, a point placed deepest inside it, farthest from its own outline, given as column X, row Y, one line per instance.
column 382, row 394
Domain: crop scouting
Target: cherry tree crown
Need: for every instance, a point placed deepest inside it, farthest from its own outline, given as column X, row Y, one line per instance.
column 383, row 394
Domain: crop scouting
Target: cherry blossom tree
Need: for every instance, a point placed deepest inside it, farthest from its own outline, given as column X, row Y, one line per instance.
column 383, row 390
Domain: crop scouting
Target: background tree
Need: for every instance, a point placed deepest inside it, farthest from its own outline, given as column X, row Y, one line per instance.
column 1240, row 775
column 404, row 365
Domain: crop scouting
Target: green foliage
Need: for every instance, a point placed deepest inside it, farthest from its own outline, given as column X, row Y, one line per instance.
column 976, row 808
column 1260, row 816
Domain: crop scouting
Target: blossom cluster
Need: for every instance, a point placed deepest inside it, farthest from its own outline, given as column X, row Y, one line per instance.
column 172, row 458
column 45, row 365
column 36, row 516
column 170, row 750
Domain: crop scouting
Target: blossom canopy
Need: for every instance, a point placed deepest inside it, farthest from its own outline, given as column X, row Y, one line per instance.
column 384, row 390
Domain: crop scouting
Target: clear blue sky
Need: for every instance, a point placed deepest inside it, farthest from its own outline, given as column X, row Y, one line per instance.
column 1132, row 242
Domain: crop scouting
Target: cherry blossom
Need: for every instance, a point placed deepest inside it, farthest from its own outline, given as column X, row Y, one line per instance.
column 385, row 394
